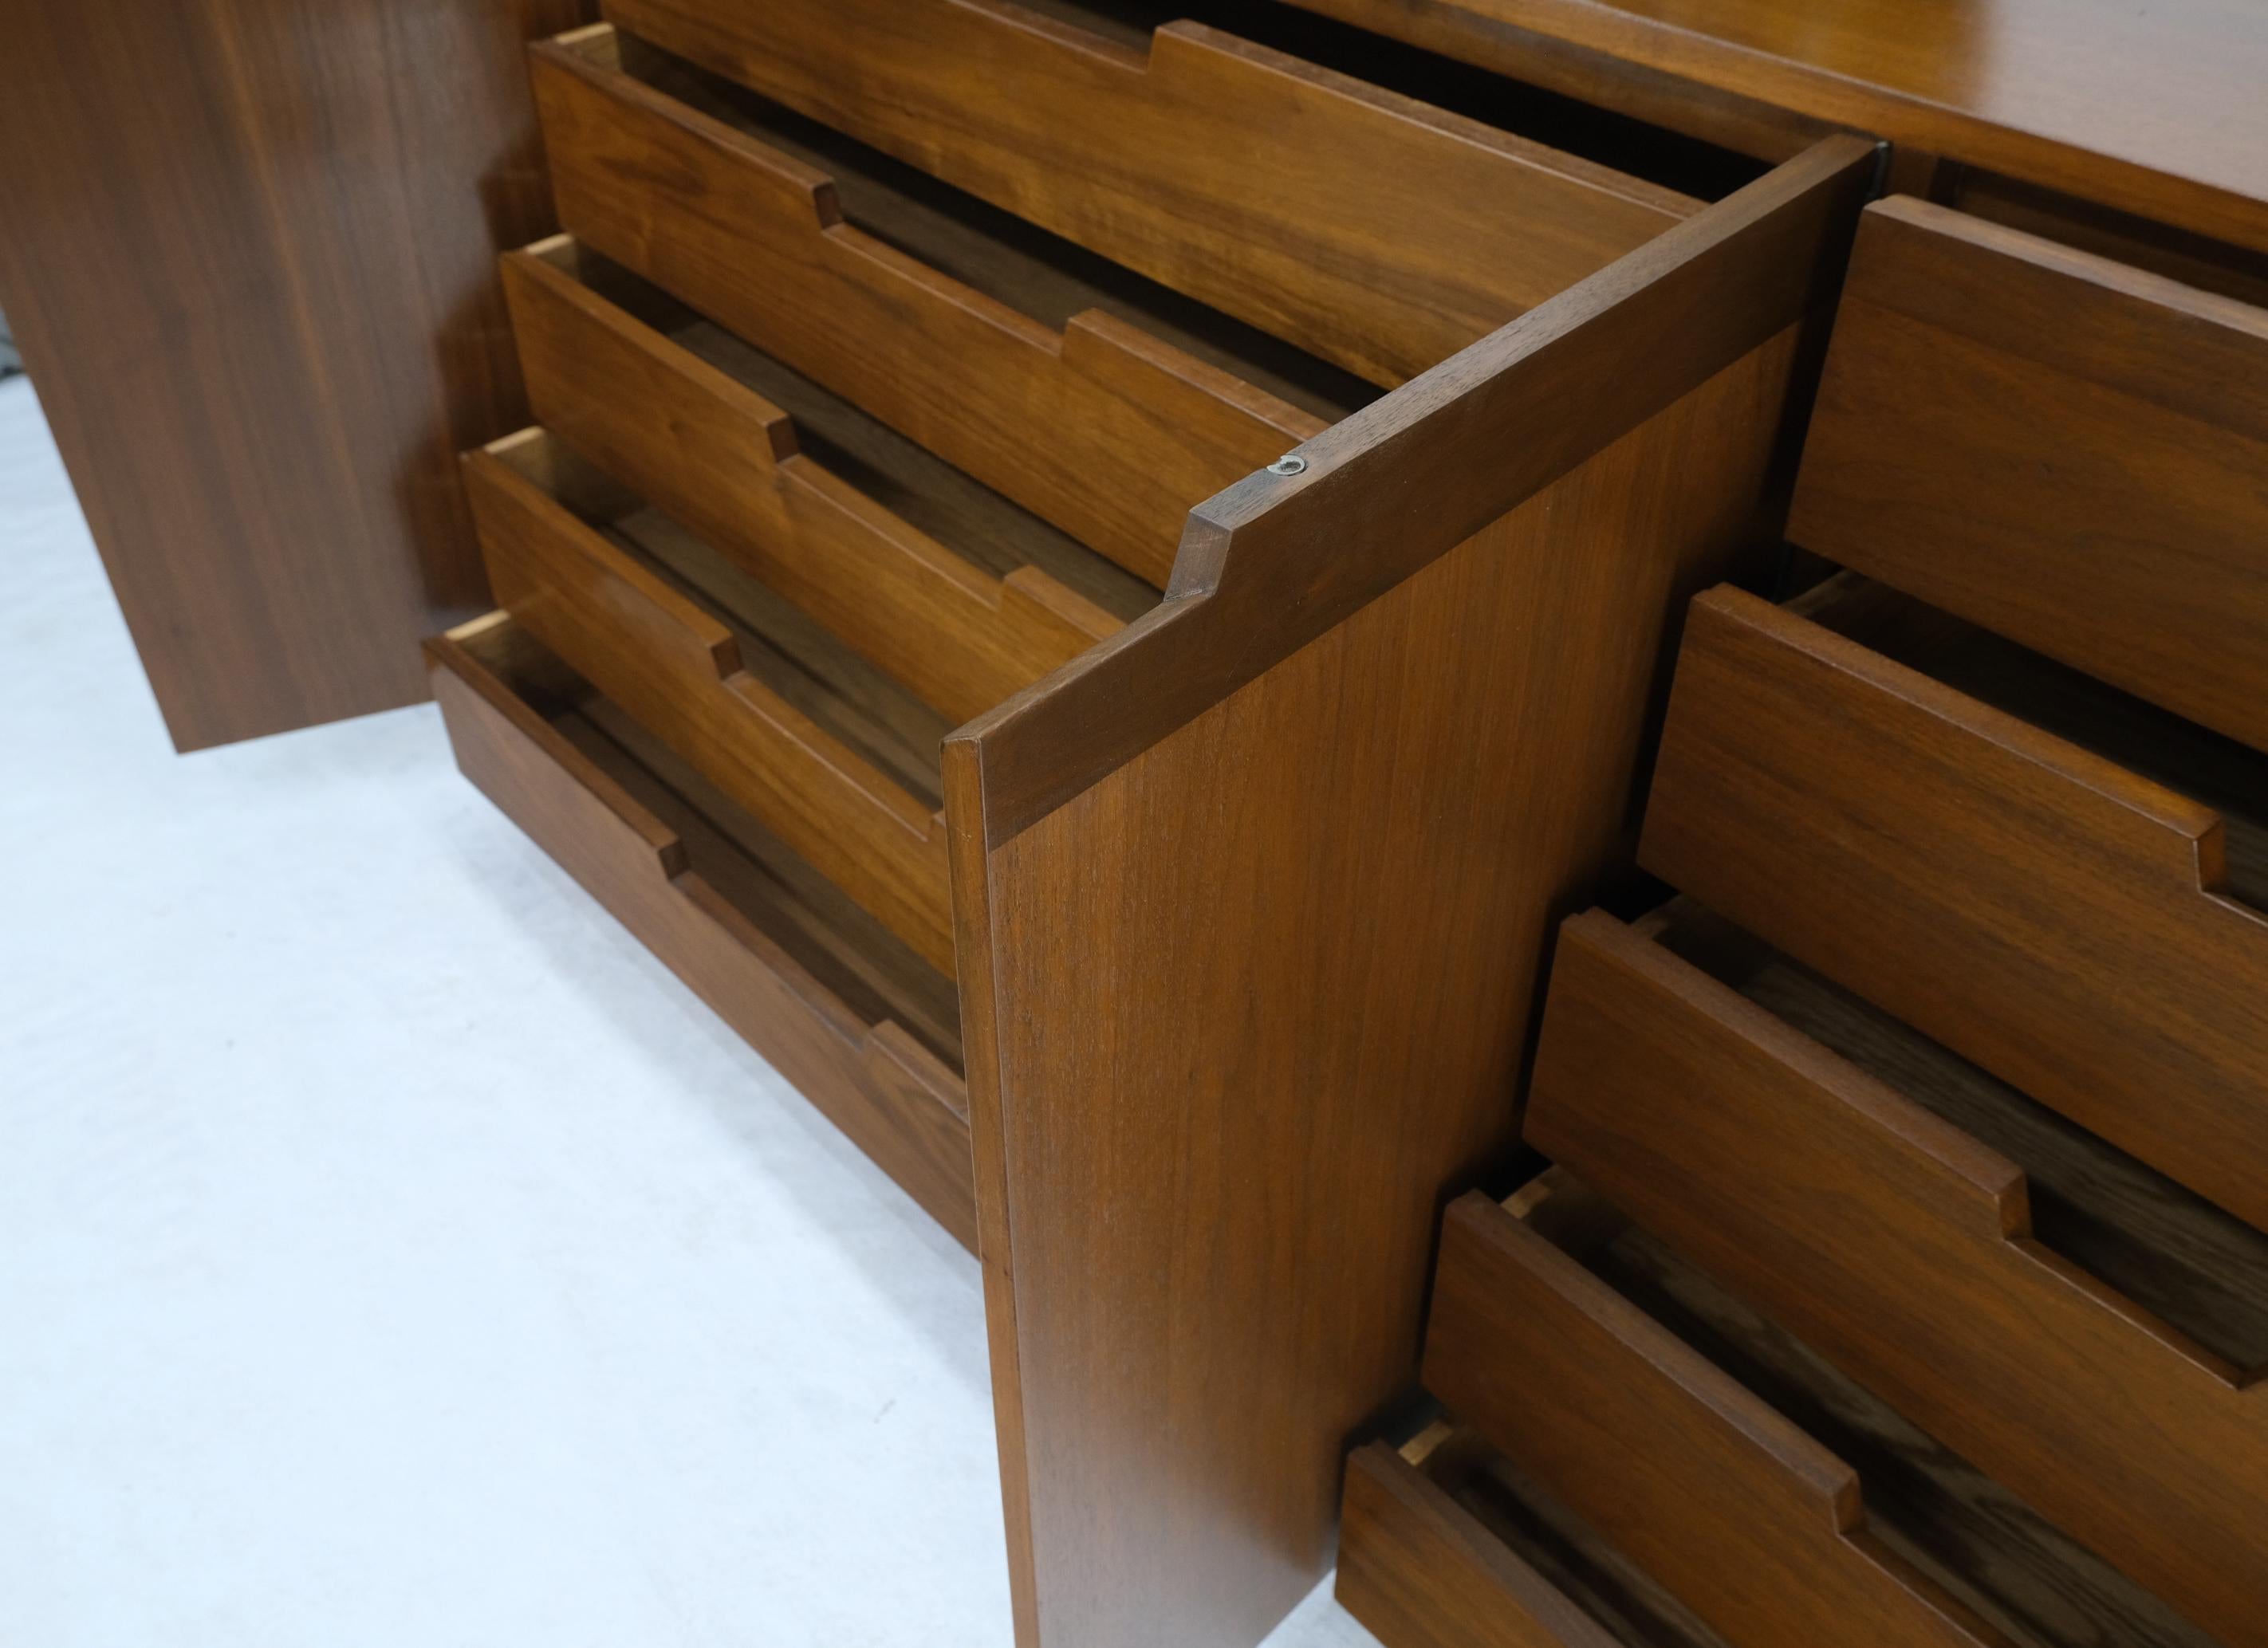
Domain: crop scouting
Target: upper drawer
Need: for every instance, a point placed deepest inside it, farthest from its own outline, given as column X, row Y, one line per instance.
column 2065, row 449
column 1374, row 229
column 1037, row 373
column 2060, row 894
column 1848, row 1193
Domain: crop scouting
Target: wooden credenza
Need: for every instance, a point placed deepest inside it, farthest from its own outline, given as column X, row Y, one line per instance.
column 1099, row 585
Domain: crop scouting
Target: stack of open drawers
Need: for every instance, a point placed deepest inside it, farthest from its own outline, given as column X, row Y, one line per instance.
column 835, row 457
column 1901, row 1276
column 1051, row 563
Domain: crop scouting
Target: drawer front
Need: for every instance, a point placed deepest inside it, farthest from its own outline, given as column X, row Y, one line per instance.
column 892, row 1097
column 2040, row 912
column 1751, row 1524
column 1419, row 1571
column 1903, row 1249
column 725, row 461
column 752, row 238
column 1368, row 228
column 2055, row 446
column 676, row 668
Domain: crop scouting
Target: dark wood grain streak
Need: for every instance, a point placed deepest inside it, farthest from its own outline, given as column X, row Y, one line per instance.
column 249, row 258
column 1904, row 1250
column 889, row 1096
column 1367, row 227
column 1982, row 1542
column 2056, row 446
column 2040, row 911
column 1753, row 1525
column 1273, row 563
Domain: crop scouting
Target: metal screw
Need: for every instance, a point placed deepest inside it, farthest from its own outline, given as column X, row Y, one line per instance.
column 1289, row 464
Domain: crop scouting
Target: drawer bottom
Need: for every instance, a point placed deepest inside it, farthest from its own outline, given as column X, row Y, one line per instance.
column 868, row 1032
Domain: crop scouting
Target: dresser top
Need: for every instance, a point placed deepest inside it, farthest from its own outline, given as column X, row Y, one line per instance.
column 2157, row 107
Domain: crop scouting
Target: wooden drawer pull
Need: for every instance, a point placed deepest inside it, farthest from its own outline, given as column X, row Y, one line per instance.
column 723, row 459
column 754, row 238
column 1754, row 1526
column 1367, row 227
column 1903, row 1249
column 2039, row 910
column 677, row 669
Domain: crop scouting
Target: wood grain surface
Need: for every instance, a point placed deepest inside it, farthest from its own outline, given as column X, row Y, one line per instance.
column 893, row 1097
column 1369, row 228
column 2060, row 448
column 1419, row 1571
column 2155, row 110
column 755, row 240
column 1905, row 1251
column 1984, row 1545
column 719, row 457
column 1271, row 564
column 249, row 261
column 2041, row 911
column 1757, row 1527
column 674, row 663
column 1303, row 968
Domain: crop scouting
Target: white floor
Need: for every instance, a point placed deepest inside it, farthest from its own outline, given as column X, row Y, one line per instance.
column 392, row 1252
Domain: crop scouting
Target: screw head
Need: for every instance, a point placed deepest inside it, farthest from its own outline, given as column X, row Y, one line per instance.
column 1289, row 464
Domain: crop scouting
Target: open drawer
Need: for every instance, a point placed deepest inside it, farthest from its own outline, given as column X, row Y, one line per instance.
column 1444, row 1544
column 868, row 1031
column 1646, row 1413
column 2067, row 1319
column 2061, row 882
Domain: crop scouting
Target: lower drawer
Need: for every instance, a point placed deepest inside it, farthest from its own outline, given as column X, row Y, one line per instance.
column 2071, row 1322
column 864, row 1027
column 1735, row 1465
column 1444, row 1544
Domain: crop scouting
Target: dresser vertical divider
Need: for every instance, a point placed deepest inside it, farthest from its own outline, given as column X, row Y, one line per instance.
column 1253, row 898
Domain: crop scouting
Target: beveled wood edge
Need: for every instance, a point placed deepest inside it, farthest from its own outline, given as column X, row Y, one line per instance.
column 1276, row 560
column 1999, row 1186
column 875, row 1047
column 963, row 779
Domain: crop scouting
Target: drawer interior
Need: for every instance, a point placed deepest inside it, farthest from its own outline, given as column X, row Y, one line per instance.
column 1961, row 1531
column 845, row 950
column 2183, row 1260
column 2156, row 743
column 991, row 251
